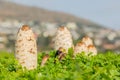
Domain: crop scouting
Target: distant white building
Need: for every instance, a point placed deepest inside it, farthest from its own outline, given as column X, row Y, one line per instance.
column 49, row 29
column 71, row 25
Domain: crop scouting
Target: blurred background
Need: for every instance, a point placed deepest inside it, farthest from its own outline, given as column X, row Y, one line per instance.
column 96, row 19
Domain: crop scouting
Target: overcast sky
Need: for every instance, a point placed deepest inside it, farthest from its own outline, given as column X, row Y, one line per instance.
column 104, row 12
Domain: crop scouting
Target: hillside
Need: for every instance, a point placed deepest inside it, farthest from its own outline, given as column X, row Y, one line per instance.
column 22, row 12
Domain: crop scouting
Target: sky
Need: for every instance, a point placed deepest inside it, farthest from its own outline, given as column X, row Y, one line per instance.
column 103, row 12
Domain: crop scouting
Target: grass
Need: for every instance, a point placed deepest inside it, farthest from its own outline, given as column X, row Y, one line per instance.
column 101, row 67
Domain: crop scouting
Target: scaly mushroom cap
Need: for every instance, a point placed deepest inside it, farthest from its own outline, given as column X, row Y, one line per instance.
column 92, row 49
column 80, row 47
column 87, row 40
column 26, row 49
column 86, row 45
column 63, row 39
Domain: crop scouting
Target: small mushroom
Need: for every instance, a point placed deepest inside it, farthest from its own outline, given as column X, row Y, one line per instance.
column 79, row 48
column 44, row 60
column 92, row 49
column 60, row 54
column 85, row 45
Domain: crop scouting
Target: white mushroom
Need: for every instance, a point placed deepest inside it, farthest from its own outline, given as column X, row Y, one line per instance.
column 26, row 48
column 63, row 39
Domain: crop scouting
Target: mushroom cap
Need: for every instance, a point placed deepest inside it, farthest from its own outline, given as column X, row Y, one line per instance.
column 63, row 39
column 87, row 40
column 26, row 48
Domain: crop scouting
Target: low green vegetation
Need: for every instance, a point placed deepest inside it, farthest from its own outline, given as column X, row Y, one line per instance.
column 100, row 67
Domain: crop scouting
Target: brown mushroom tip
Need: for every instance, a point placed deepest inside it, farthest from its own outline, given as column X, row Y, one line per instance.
column 47, row 56
column 61, row 28
column 80, row 43
column 91, row 46
column 25, row 27
column 60, row 48
column 87, row 37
